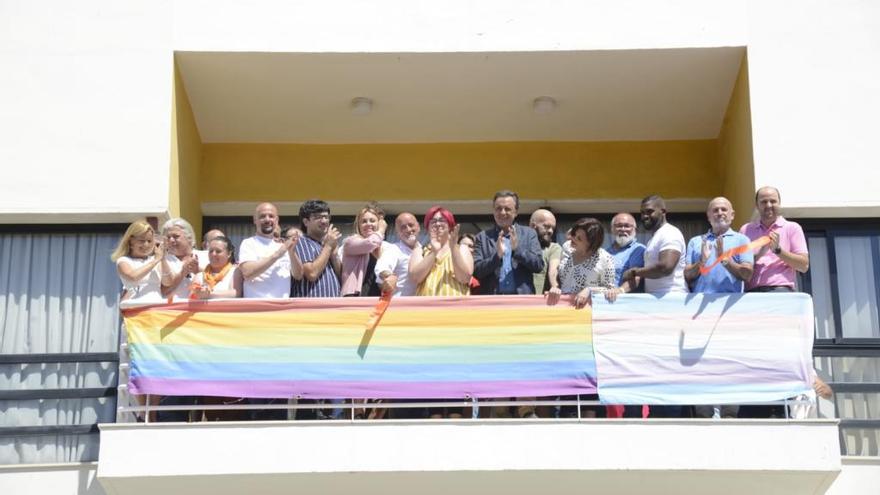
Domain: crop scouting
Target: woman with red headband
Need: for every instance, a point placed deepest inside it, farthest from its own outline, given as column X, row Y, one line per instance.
column 442, row 267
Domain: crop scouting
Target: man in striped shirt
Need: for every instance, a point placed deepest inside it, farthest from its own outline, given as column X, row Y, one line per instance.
column 316, row 250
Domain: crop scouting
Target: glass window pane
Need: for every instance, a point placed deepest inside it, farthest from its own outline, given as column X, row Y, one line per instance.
column 820, row 279
column 857, row 286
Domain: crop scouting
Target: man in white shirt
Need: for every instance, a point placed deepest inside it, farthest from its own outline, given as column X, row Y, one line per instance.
column 663, row 271
column 266, row 264
column 664, row 255
column 393, row 265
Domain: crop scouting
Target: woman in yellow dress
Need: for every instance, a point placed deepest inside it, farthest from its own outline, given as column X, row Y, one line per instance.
column 442, row 267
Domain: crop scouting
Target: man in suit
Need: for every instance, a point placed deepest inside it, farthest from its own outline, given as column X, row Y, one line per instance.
column 507, row 256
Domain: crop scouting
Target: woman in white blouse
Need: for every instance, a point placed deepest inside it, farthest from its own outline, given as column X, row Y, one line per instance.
column 137, row 258
column 587, row 268
column 221, row 277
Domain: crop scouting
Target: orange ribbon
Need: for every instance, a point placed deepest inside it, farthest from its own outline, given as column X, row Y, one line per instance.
column 193, row 289
column 378, row 311
column 730, row 253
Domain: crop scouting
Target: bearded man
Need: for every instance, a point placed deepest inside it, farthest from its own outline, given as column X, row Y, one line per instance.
column 627, row 251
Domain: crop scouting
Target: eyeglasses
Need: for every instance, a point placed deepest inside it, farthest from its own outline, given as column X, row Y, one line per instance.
column 320, row 216
column 438, row 221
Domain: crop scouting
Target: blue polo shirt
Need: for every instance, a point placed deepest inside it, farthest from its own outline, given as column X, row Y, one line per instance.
column 630, row 256
column 719, row 280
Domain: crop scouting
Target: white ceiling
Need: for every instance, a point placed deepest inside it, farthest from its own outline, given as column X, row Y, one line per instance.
column 460, row 97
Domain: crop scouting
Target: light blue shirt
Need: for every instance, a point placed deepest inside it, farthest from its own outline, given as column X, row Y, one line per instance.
column 630, row 256
column 719, row 280
column 506, row 284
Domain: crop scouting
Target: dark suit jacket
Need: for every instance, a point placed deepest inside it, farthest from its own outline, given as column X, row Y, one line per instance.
column 526, row 260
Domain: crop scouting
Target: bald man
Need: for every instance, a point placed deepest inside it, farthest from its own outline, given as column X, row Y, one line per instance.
column 544, row 223
column 627, row 251
column 267, row 264
column 726, row 277
column 702, row 250
column 392, row 267
column 663, row 271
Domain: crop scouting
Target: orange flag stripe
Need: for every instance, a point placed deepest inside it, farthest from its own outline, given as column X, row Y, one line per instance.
column 730, row 253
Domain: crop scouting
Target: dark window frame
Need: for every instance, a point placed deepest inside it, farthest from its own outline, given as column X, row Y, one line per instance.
column 830, row 230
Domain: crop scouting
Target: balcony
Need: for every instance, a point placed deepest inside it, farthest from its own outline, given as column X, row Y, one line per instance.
column 693, row 350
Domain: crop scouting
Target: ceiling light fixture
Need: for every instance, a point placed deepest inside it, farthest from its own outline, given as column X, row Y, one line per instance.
column 544, row 104
column 361, row 106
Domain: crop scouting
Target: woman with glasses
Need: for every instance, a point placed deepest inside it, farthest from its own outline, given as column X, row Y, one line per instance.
column 442, row 267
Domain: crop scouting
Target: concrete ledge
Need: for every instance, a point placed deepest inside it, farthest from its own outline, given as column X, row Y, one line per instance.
column 512, row 456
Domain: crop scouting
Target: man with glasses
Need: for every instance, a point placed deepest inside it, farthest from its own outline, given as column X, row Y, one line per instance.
column 507, row 256
column 316, row 249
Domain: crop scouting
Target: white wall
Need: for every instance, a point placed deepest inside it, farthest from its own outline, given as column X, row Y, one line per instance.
column 57, row 479
column 86, row 87
column 814, row 70
column 455, row 25
column 85, row 109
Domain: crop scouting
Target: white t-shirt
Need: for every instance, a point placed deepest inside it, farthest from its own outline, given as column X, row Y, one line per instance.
column 667, row 237
column 182, row 291
column 148, row 288
column 275, row 281
column 395, row 259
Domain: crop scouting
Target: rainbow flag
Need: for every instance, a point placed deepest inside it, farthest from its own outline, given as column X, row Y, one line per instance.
column 425, row 347
column 704, row 348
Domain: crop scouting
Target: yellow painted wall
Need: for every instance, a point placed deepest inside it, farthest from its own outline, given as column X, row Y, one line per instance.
column 736, row 165
column 459, row 171
column 186, row 159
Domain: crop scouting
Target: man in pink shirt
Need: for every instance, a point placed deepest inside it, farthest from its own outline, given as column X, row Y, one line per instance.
column 776, row 263
column 775, row 266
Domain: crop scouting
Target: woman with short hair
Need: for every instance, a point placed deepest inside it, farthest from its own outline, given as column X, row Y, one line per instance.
column 587, row 268
column 442, row 267
column 182, row 263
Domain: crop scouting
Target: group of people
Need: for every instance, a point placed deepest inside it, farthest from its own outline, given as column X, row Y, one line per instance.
column 508, row 258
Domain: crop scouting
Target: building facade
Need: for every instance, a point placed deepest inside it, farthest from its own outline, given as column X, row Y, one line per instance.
column 114, row 111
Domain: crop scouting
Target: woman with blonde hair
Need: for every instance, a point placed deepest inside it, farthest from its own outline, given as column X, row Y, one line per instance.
column 137, row 258
column 360, row 252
